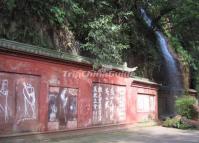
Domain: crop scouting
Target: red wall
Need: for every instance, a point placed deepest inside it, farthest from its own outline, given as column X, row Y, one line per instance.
column 52, row 73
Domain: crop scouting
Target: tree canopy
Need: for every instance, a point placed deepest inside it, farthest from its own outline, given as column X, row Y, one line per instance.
column 107, row 30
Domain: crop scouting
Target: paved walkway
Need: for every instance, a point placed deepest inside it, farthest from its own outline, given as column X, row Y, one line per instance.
column 135, row 135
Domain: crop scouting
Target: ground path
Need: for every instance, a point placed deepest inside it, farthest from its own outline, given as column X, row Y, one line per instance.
column 155, row 134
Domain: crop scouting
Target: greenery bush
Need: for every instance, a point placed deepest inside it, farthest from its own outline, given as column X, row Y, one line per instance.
column 105, row 41
column 175, row 123
column 184, row 107
column 171, row 122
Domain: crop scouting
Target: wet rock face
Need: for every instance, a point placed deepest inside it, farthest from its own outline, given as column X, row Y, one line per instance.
column 64, row 40
column 39, row 33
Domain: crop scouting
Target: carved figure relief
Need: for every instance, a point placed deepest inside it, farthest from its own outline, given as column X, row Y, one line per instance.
column 29, row 100
column 4, row 107
column 63, row 106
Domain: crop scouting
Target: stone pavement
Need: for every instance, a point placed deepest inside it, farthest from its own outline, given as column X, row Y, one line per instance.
column 154, row 134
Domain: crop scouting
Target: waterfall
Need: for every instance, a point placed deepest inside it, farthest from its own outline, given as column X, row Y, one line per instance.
column 172, row 73
column 174, row 78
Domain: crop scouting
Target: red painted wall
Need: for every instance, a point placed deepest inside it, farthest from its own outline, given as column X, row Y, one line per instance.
column 53, row 73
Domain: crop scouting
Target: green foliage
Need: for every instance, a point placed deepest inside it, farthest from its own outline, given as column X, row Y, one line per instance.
column 175, row 123
column 184, row 107
column 179, row 20
column 108, row 30
column 106, row 40
column 35, row 21
column 184, row 55
column 10, row 4
column 58, row 15
column 184, row 34
column 52, row 12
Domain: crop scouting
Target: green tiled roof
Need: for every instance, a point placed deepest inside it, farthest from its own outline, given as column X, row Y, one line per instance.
column 143, row 80
column 13, row 46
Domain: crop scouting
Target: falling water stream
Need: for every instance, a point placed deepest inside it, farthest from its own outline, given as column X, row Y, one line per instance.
column 173, row 75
